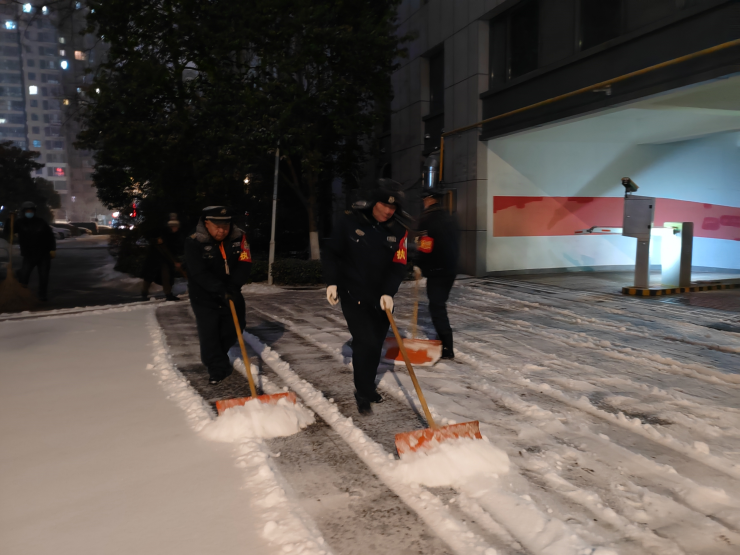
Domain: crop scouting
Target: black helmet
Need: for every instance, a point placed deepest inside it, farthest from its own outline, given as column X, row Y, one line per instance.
column 28, row 204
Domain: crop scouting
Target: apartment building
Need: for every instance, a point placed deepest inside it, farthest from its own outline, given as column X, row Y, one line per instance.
column 659, row 102
column 43, row 70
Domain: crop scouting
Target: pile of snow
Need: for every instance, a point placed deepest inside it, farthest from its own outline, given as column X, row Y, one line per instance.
column 453, row 462
column 258, row 420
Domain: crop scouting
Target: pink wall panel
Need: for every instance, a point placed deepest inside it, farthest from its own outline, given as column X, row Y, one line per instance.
column 550, row 216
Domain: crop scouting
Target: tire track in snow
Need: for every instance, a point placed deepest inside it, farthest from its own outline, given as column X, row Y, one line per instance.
column 699, row 451
column 437, row 516
column 518, row 515
column 623, row 354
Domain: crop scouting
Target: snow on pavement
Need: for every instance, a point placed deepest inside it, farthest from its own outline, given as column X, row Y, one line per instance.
column 95, row 459
column 621, row 419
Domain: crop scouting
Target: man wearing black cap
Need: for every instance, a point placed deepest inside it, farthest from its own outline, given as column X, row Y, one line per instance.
column 218, row 263
column 438, row 250
column 364, row 264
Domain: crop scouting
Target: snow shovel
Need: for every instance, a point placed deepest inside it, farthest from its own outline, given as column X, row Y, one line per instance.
column 14, row 297
column 429, row 437
column 221, row 406
column 422, row 352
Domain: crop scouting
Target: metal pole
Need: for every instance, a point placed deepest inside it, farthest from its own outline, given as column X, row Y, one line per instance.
column 274, row 214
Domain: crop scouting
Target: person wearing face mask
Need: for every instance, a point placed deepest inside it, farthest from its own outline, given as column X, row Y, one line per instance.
column 218, row 262
column 364, row 264
column 38, row 246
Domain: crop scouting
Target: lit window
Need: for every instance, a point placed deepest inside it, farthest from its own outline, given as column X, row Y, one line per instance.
column 97, row 91
column 61, row 52
column 65, row 101
column 44, row 10
column 58, row 172
column 37, row 144
column 64, row 64
column 27, row 8
column 78, row 5
column 2, row 120
column 80, row 55
column 61, row 40
column 10, row 25
column 33, row 89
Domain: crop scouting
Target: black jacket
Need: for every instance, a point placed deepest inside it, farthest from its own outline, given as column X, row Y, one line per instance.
column 207, row 277
column 34, row 236
column 438, row 242
column 168, row 251
column 364, row 258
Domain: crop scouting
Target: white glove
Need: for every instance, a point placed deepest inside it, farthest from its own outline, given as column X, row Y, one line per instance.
column 417, row 273
column 386, row 302
column 331, row 295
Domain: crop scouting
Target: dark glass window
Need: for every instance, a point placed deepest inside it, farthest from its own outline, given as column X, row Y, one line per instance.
column 524, row 39
column 601, row 20
column 437, row 83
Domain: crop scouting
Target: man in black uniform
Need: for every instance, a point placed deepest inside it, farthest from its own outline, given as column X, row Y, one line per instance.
column 438, row 251
column 38, row 246
column 364, row 264
column 218, row 263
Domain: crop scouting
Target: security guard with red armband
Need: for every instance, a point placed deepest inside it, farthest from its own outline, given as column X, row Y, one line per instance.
column 364, row 264
column 218, row 262
column 437, row 253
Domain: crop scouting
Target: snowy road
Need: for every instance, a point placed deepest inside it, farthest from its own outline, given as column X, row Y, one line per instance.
column 620, row 417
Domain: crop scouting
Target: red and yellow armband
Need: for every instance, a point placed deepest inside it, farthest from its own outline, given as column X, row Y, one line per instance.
column 401, row 255
column 245, row 255
column 426, row 244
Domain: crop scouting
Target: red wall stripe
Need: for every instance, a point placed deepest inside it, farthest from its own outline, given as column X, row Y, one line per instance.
column 553, row 216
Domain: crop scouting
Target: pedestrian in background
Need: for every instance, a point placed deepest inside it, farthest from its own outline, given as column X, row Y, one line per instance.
column 364, row 264
column 438, row 251
column 219, row 261
column 163, row 259
column 38, row 246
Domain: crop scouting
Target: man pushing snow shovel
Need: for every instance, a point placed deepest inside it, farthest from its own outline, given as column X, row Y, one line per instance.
column 364, row 264
column 218, row 263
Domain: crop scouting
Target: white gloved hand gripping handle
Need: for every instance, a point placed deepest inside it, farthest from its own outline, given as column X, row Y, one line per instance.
column 386, row 302
column 331, row 295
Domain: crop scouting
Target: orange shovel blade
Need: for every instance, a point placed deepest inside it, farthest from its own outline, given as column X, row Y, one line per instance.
column 420, row 440
column 221, row 406
column 422, row 352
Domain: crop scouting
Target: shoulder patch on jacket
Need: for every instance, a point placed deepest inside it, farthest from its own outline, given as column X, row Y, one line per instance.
column 401, row 256
column 245, row 255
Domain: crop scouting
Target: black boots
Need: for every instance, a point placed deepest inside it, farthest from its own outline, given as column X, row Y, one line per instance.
column 447, row 351
column 363, row 403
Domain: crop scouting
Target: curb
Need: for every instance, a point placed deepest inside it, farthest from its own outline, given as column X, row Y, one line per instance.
column 657, row 292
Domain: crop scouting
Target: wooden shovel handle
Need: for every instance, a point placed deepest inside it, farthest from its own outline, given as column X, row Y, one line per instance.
column 405, row 355
column 239, row 336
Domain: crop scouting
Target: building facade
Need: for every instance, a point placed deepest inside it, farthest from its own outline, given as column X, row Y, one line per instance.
column 578, row 94
column 44, row 66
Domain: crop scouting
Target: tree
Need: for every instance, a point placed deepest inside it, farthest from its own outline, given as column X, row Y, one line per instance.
column 196, row 95
column 18, row 186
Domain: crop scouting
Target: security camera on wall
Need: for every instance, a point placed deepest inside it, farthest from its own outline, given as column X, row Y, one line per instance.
column 629, row 185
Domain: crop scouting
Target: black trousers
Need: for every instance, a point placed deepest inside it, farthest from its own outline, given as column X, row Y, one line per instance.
column 217, row 334
column 368, row 326
column 43, row 262
column 438, row 291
